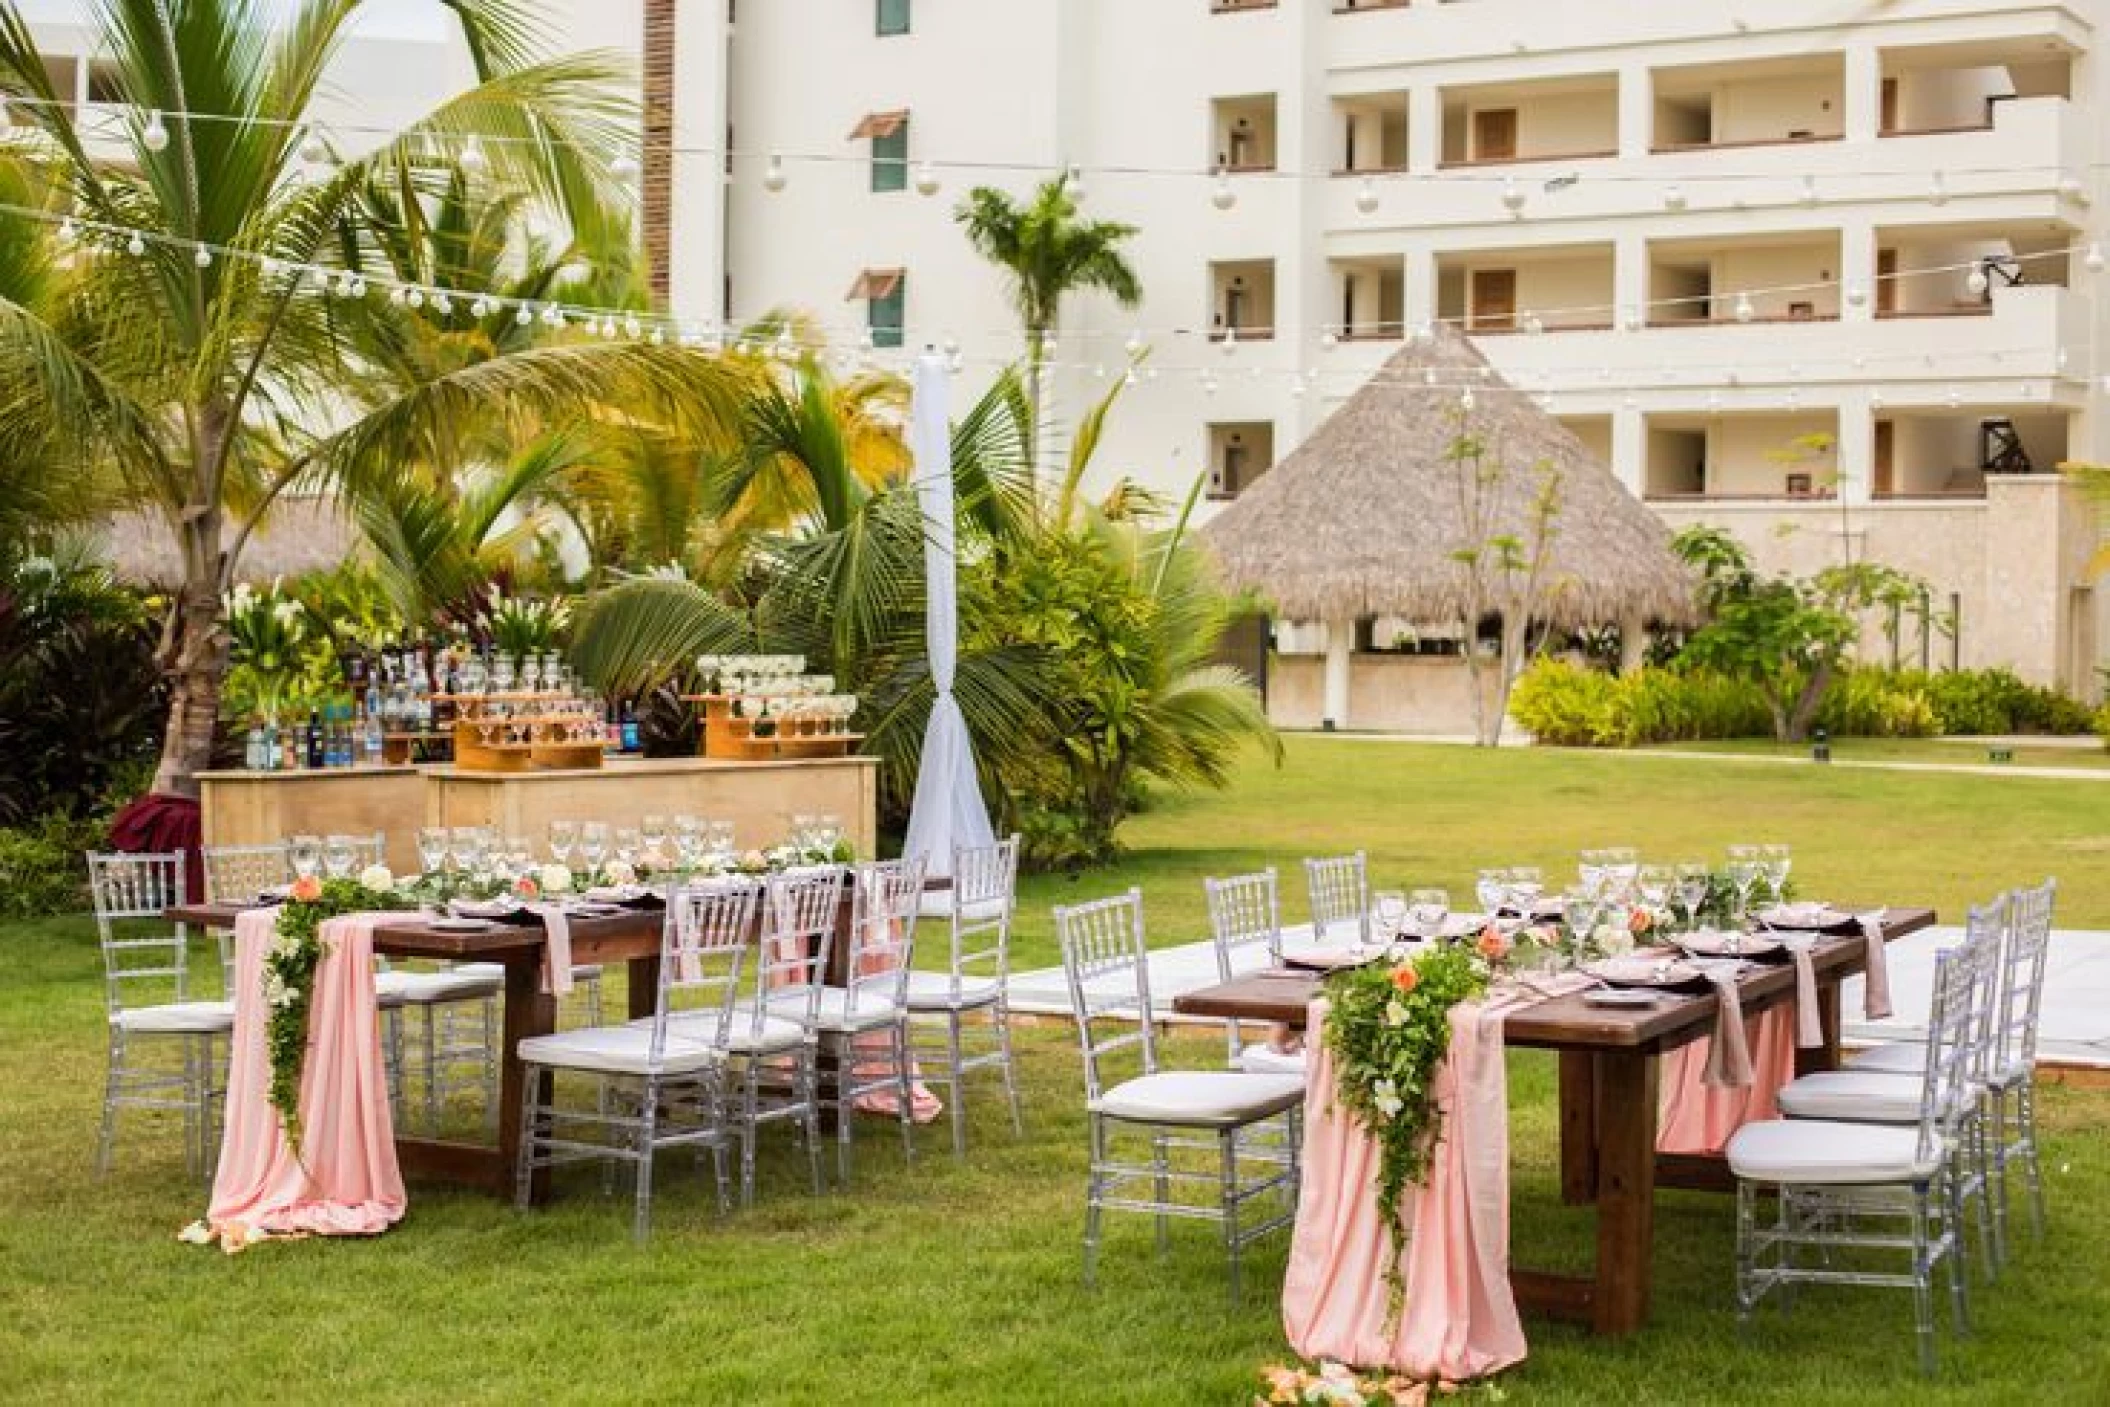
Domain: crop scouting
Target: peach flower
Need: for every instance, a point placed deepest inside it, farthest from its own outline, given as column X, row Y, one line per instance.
column 1492, row 945
column 307, row 889
column 1405, row 979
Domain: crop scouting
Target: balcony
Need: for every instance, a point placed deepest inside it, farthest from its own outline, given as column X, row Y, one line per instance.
column 1566, row 288
column 1744, row 456
column 1240, row 451
column 1934, row 90
column 1959, row 269
column 1370, row 295
column 1763, row 103
column 1552, row 120
column 1242, row 300
column 1373, row 133
column 1757, row 278
column 1244, row 132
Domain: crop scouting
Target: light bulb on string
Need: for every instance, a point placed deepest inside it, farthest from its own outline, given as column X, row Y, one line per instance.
column 68, row 231
column 473, row 159
column 1073, row 182
column 415, row 298
column 625, row 169
column 1223, row 197
column 135, row 246
column 1533, row 325
column 523, row 316
column 1809, row 191
column 659, row 337
column 1976, row 282
column 1135, row 344
column 155, row 135
column 202, row 258
column 1938, row 190
column 398, row 297
column 1048, row 344
column 631, row 326
column 1328, row 340
column 956, row 363
column 1744, row 311
column 481, row 308
column 2092, row 261
column 1428, row 376
column 868, row 342
column 358, row 287
column 1129, row 379
column 1465, row 399
column 1209, row 383
column 1674, row 197
column 1512, row 196
column 313, row 149
column 1230, row 341
column 1856, row 295
column 927, row 182
column 552, row 316
column 443, row 305
column 773, row 178
column 1366, row 199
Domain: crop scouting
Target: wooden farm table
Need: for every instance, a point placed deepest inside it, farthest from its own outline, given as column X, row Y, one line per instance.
column 632, row 936
column 1609, row 1066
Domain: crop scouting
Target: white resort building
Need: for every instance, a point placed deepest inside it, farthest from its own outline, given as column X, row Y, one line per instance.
column 1802, row 269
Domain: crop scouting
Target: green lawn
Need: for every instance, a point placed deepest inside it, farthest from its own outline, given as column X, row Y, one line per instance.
column 942, row 1281
column 1943, row 750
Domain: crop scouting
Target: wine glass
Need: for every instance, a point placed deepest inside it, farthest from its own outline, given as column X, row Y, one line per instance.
column 1654, row 882
column 1491, row 888
column 339, row 855
column 1427, row 911
column 1581, row 907
column 1778, row 861
column 718, row 840
column 593, row 844
column 1526, row 884
column 827, row 834
column 1622, row 868
column 563, row 839
column 1744, row 867
column 306, row 854
column 432, row 849
column 1590, row 870
column 502, row 675
column 531, row 674
column 466, row 844
column 1388, row 912
column 1694, row 881
column 627, row 845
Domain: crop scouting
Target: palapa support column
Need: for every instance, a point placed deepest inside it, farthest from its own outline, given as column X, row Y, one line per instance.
column 1633, row 643
column 1340, row 647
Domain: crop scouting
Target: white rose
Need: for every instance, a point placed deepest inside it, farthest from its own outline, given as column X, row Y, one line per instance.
column 619, row 872
column 378, row 878
column 554, row 879
column 1612, row 940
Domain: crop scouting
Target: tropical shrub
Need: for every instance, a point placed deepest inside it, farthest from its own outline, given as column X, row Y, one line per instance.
column 1878, row 703
column 1996, row 701
column 41, row 867
column 1569, row 705
column 1565, row 705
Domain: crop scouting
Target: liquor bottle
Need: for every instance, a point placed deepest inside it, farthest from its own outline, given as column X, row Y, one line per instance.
column 269, row 747
column 313, row 739
column 445, row 698
column 253, row 749
column 340, row 738
column 629, row 728
column 372, row 697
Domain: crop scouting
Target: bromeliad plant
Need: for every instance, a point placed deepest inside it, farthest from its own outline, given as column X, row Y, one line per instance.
column 290, row 965
column 1388, row 1029
column 518, row 626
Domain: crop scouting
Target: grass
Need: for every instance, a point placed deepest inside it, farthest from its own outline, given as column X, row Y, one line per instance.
column 1949, row 751
column 947, row 1281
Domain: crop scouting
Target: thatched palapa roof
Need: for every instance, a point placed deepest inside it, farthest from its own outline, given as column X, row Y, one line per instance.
column 298, row 535
column 1364, row 518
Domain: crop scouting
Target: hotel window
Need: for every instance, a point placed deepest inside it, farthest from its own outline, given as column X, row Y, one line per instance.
column 885, row 296
column 888, row 133
column 893, row 17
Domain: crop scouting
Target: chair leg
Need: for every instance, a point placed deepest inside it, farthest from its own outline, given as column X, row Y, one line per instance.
column 806, row 1085
column 106, row 1140
column 431, row 1067
column 749, row 1099
column 905, row 1093
column 2032, row 1172
column 530, row 1136
column 957, row 1088
column 1093, row 1191
column 1008, row 1065
column 1163, row 1188
column 1922, row 1281
column 1746, row 1262
column 1991, row 1250
column 490, row 1017
column 1228, row 1192
column 647, row 1140
column 1954, row 1261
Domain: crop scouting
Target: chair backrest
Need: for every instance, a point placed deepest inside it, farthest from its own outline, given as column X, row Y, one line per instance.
column 703, row 952
column 798, row 930
column 1949, row 1088
column 888, row 894
column 2021, row 978
column 236, row 874
column 367, row 848
column 1339, row 886
column 984, row 895
column 1108, row 967
column 1245, row 911
column 136, row 891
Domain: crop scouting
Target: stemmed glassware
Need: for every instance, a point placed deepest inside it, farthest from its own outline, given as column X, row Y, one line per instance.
column 432, row 849
column 502, row 675
column 466, row 845
column 718, row 841
column 1581, row 907
column 626, row 845
column 1591, row 870
column 1694, row 880
column 1745, row 868
column 305, row 852
column 654, row 837
column 1526, row 884
column 338, row 857
column 593, row 845
column 563, row 839
column 1777, row 862
column 1622, row 868
column 1653, row 883
column 1427, row 911
column 1388, row 914
column 688, row 841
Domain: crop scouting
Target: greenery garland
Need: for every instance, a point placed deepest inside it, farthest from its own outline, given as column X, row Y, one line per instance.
column 1388, row 1029
column 290, row 964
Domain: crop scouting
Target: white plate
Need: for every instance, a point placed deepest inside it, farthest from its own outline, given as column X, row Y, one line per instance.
column 616, row 893
column 462, row 925
column 1621, row 997
column 592, row 910
column 1644, row 972
column 1711, row 944
column 1803, row 915
column 1333, row 959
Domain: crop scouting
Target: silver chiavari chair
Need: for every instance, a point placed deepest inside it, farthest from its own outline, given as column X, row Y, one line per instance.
column 240, row 874
column 775, row 1033
column 1839, row 1183
column 147, row 1004
column 1245, row 915
column 1339, row 887
column 2014, row 1069
column 977, row 911
column 662, row 1078
column 1184, row 1113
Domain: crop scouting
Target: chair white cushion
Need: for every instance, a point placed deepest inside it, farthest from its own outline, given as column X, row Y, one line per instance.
column 435, row 988
column 1894, row 1057
column 873, row 1013
column 1817, row 1153
column 177, row 1018
column 616, row 1050
column 1261, row 1059
column 2014, row 1073
column 777, row 1034
column 1200, row 1098
column 937, row 903
column 932, row 991
column 482, row 969
column 1857, row 1096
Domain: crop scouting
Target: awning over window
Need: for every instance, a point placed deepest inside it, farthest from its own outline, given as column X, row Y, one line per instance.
column 875, row 284
column 880, row 124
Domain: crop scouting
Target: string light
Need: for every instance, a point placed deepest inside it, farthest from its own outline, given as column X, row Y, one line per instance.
column 774, row 179
column 1674, row 197
column 1073, row 181
column 313, row 149
column 1512, row 196
column 473, row 159
column 135, row 246
column 1366, row 196
column 1223, row 197
column 1744, row 310
column 155, row 136
column 625, row 169
column 2093, row 260
column 203, row 258
column 927, row 182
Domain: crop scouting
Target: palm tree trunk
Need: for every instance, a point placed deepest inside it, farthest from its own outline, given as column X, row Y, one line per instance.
column 194, row 656
column 1036, row 370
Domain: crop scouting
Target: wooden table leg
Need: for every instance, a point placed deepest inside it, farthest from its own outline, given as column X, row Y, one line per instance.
column 1578, row 1087
column 1626, row 1191
column 529, row 1011
column 1824, row 1056
column 644, row 986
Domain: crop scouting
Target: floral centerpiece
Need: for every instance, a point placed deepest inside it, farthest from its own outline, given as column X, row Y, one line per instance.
column 518, row 626
column 267, row 633
column 290, row 965
column 1388, row 1029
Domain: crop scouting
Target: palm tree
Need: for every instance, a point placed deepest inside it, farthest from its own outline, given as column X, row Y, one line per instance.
column 1047, row 253
column 212, row 387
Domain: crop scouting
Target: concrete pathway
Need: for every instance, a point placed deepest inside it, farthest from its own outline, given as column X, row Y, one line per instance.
column 2075, row 1026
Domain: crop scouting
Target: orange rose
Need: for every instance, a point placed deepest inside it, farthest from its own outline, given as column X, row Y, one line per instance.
column 1405, row 979
column 307, row 889
column 525, row 887
column 1640, row 921
column 1492, row 945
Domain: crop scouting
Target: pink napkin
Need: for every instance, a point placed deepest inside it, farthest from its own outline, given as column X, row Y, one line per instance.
column 1729, row 1054
column 1809, row 1024
column 556, row 956
column 1875, row 990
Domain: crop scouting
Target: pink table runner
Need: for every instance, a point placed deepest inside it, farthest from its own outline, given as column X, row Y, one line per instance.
column 1460, row 1319
column 1698, row 1117
column 346, row 1182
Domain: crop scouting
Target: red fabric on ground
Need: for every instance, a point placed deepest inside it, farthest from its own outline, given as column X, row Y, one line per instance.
column 158, row 824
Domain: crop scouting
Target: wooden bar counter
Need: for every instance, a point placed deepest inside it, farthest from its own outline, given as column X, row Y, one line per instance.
column 258, row 808
column 759, row 798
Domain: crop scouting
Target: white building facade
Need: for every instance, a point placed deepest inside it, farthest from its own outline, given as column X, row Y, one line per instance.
column 1818, row 271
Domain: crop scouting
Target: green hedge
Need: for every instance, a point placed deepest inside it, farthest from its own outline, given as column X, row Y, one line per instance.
column 42, row 866
column 1568, row 705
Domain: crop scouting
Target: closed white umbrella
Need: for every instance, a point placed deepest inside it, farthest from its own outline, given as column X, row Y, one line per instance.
column 948, row 809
